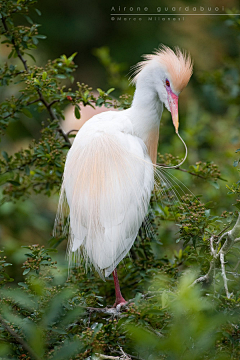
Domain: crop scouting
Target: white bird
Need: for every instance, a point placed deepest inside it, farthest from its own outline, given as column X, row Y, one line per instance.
column 109, row 170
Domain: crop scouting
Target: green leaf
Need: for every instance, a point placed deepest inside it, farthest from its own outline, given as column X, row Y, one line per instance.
column 61, row 76
column 11, row 53
column 55, row 308
column 19, row 297
column 29, row 19
column 35, row 40
column 110, row 90
column 214, row 184
column 5, row 155
column 31, row 56
column 27, row 170
column 27, row 112
column 22, row 284
column 209, row 204
column 235, row 163
column 164, row 299
column 237, row 205
column 26, row 271
column 207, row 212
column 41, row 36
column 72, row 56
column 5, row 177
column 99, row 102
column 35, row 337
column 44, row 75
column 38, row 12
column 77, row 112
column 68, row 350
column 14, row 183
column 101, row 92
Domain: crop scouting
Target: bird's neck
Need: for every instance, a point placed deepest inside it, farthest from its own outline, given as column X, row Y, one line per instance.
column 145, row 114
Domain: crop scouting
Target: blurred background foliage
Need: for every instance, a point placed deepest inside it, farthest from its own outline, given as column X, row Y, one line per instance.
column 209, row 123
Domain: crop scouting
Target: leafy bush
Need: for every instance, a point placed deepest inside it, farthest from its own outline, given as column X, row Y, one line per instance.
column 184, row 295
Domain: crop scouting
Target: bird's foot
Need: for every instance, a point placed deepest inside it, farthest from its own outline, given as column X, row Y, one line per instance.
column 119, row 303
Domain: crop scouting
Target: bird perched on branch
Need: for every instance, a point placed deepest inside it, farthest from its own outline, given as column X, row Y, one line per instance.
column 109, row 170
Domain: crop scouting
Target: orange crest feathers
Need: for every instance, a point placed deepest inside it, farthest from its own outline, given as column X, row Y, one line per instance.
column 178, row 64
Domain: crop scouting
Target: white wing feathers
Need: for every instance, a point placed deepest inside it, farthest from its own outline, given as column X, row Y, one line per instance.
column 108, row 179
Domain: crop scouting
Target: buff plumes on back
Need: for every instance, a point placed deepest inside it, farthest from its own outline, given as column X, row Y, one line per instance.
column 108, row 187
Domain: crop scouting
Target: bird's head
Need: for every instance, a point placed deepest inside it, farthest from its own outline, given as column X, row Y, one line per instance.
column 168, row 72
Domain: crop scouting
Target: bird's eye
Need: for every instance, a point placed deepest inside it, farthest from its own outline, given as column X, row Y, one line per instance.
column 167, row 83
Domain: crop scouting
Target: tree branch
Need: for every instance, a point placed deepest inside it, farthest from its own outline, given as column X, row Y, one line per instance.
column 185, row 170
column 224, row 276
column 112, row 311
column 41, row 97
column 69, row 132
column 124, row 356
column 53, row 102
column 232, row 236
column 15, row 45
column 19, row 339
column 65, row 136
column 107, row 357
column 206, row 277
column 33, row 101
column 107, row 311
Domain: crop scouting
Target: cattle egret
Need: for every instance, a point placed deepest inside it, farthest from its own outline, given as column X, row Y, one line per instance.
column 109, row 170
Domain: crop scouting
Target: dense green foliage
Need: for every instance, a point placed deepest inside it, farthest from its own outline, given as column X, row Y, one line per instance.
column 183, row 281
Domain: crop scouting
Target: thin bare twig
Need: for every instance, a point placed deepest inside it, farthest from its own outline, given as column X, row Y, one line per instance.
column 7, row 116
column 14, row 112
column 69, row 132
column 33, row 101
column 53, row 102
column 185, row 170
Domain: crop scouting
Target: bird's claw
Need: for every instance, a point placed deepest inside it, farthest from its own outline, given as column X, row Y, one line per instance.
column 118, row 306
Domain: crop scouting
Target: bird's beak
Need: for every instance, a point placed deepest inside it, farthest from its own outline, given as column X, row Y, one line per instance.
column 173, row 104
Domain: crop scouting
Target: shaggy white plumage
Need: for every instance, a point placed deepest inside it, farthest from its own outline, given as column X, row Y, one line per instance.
column 109, row 170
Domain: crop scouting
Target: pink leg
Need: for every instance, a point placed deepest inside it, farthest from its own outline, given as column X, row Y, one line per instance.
column 119, row 298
